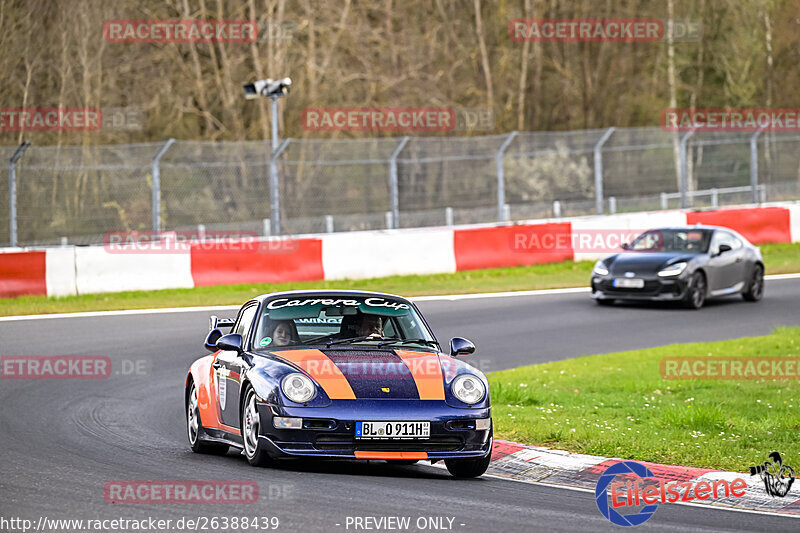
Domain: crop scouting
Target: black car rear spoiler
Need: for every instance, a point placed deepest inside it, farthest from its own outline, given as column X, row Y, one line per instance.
column 217, row 322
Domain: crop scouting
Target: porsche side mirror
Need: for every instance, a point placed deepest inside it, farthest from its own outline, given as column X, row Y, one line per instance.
column 626, row 246
column 211, row 340
column 231, row 342
column 461, row 346
column 724, row 248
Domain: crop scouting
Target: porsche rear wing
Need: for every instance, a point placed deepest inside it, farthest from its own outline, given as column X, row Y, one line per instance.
column 217, row 322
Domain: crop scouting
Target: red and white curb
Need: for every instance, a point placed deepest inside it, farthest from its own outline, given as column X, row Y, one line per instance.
column 578, row 471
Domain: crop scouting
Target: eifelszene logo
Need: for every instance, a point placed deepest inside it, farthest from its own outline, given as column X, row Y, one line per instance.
column 641, row 491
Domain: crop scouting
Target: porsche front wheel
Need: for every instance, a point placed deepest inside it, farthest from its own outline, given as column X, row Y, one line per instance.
column 466, row 468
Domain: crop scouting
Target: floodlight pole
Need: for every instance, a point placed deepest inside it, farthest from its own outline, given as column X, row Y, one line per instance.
column 274, row 184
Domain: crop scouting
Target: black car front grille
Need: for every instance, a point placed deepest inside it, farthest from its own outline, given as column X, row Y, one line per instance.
column 650, row 287
column 348, row 443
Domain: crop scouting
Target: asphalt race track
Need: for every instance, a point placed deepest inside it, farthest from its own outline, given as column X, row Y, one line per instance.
column 62, row 440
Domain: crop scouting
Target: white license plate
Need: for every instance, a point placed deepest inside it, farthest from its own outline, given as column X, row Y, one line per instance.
column 393, row 430
column 628, row 283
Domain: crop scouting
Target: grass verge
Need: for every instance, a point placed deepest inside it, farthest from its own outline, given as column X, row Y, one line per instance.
column 779, row 259
column 618, row 405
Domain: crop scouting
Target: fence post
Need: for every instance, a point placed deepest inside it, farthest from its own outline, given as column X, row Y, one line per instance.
column 684, row 170
column 328, row 223
column 612, row 205
column 556, row 209
column 394, row 193
column 448, row 216
column 754, row 164
column 663, row 200
column 157, row 186
column 12, row 191
column 598, row 171
column 501, row 178
column 275, row 182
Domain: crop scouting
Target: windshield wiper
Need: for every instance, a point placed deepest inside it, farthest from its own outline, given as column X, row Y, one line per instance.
column 358, row 339
column 426, row 342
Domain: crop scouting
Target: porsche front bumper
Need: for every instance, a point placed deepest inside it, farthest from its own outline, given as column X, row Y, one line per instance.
column 330, row 431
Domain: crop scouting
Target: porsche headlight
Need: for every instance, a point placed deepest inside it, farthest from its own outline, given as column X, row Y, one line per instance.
column 298, row 387
column 600, row 269
column 673, row 270
column 468, row 388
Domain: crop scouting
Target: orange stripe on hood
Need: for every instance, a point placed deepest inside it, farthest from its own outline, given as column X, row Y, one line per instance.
column 323, row 370
column 426, row 371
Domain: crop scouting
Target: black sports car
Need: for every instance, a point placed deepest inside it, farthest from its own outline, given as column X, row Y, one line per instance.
column 685, row 264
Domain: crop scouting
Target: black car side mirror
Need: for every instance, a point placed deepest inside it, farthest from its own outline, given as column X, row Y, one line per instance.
column 461, row 346
column 724, row 248
column 231, row 342
column 626, row 246
column 211, row 340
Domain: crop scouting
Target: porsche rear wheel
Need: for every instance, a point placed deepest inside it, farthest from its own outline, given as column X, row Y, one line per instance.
column 251, row 427
column 755, row 289
column 194, row 428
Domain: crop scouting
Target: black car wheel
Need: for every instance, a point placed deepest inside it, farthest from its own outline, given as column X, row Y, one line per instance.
column 755, row 290
column 467, row 468
column 696, row 291
column 195, row 428
column 251, row 428
column 605, row 301
column 403, row 462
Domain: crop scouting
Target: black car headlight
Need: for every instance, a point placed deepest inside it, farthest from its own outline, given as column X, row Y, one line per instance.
column 600, row 269
column 468, row 388
column 298, row 387
column 673, row 270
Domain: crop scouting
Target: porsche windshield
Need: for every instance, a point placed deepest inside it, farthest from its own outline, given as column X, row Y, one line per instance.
column 313, row 320
column 671, row 240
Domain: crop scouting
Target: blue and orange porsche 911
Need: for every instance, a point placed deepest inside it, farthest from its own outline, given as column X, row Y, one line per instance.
column 334, row 374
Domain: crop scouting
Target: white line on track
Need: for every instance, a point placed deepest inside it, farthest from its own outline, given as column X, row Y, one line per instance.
column 443, row 297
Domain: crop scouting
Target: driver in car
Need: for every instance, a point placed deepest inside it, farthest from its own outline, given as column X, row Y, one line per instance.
column 370, row 326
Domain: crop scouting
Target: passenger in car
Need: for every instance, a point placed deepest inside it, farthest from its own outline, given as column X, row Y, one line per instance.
column 282, row 333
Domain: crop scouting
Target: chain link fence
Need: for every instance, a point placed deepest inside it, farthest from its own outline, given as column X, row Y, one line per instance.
column 76, row 194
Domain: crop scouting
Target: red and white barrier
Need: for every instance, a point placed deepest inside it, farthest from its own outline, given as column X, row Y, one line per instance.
column 22, row 273
column 360, row 255
column 373, row 254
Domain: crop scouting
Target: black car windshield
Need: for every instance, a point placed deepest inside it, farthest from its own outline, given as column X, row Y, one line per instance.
column 310, row 319
column 673, row 240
